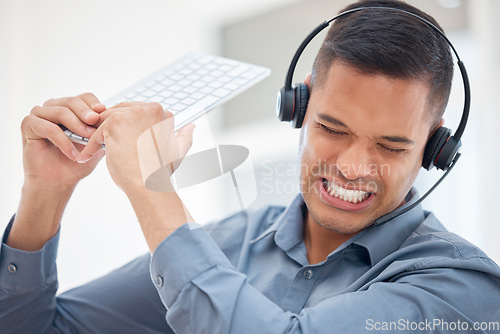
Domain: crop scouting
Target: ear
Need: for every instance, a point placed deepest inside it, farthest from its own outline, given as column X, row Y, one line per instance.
column 307, row 81
column 440, row 124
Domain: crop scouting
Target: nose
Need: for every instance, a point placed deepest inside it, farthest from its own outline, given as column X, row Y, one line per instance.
column 354, row 161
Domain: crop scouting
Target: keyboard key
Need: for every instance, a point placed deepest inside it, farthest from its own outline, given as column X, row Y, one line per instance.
column 192, row 111
column 238, row 70
column 184, row 83
column 193, row 77
column 206, row 90
column 198, row 84
column 175, row 88
column 188, row 101
column 171, row 101
column 179, row 107
column 208, row 78
column 215, row 84
column 189, row 90
column 156, row 98
column 225, row 79
column 217, row 73
column 225, row 68
column 176, row 77
column 202, row 72
column 195, row 66
column 167, row 82
column 158, row 88
column 221, row 92
column 180, row 96
column 197, row 95
column 231, row 86
column 166, row 93
column 148, row 93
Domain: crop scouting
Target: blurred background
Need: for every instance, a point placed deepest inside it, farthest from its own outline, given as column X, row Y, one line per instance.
column 56, row 48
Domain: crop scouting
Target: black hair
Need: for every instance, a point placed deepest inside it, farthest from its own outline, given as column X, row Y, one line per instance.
column 395, row 44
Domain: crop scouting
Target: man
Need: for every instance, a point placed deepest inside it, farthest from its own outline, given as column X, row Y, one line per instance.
column 378, row 90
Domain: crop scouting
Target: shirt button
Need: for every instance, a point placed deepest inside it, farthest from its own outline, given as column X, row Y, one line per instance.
column 12, row 268
column 159, row 281
column 308, row 274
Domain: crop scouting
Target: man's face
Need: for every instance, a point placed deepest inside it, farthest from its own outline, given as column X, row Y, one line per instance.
column 361, row 146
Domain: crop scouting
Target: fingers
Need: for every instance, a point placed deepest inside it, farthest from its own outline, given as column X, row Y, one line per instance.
column 34, row 128
column 63, row 115
column 75, row 113
column 85, row 106
column 94, row 145
column 108, row 112
column 126, row 121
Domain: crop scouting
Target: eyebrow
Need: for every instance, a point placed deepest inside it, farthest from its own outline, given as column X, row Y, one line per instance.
column 397, row 139
column 394, row 139
column 332, row 120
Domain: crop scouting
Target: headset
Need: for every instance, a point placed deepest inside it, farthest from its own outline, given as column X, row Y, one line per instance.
column 442, row 149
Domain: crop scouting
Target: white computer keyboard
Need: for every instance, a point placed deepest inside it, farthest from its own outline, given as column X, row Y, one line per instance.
column 193, row 85
column 190, row 86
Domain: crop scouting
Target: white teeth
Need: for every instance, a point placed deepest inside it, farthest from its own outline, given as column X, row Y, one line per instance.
column 348, row 195
column 352, row 196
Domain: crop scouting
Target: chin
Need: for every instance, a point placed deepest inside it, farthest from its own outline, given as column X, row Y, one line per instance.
column 342, row 224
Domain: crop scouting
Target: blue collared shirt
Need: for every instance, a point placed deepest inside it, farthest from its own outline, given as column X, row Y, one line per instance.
column 249, row 274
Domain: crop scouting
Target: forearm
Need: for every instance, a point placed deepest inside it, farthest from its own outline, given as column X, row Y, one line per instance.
column 38, row 216
column 159, row 213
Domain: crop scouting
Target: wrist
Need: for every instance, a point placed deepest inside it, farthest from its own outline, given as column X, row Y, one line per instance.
column 35, row 183
column 159, row 214
column 38, row 216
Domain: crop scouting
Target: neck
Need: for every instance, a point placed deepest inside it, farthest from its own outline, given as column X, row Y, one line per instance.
column 320, row 242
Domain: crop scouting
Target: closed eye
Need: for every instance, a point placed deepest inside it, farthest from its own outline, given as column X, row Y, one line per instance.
column 331, row 131
column 392, row 150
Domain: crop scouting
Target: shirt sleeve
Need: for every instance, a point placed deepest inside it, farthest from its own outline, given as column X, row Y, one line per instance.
column 123, row 301
column 204, row 293
column 28, row 283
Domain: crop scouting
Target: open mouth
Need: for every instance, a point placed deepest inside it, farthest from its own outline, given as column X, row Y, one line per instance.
column 346, row 195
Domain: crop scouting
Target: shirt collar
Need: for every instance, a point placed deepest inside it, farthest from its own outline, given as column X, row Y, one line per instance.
column 384, row 239
column 288, row 227
column 378, row 240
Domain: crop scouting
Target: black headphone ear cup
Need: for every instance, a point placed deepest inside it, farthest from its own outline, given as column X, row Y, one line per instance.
column 301, row 101
column 285, row 104
column 434, row 147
